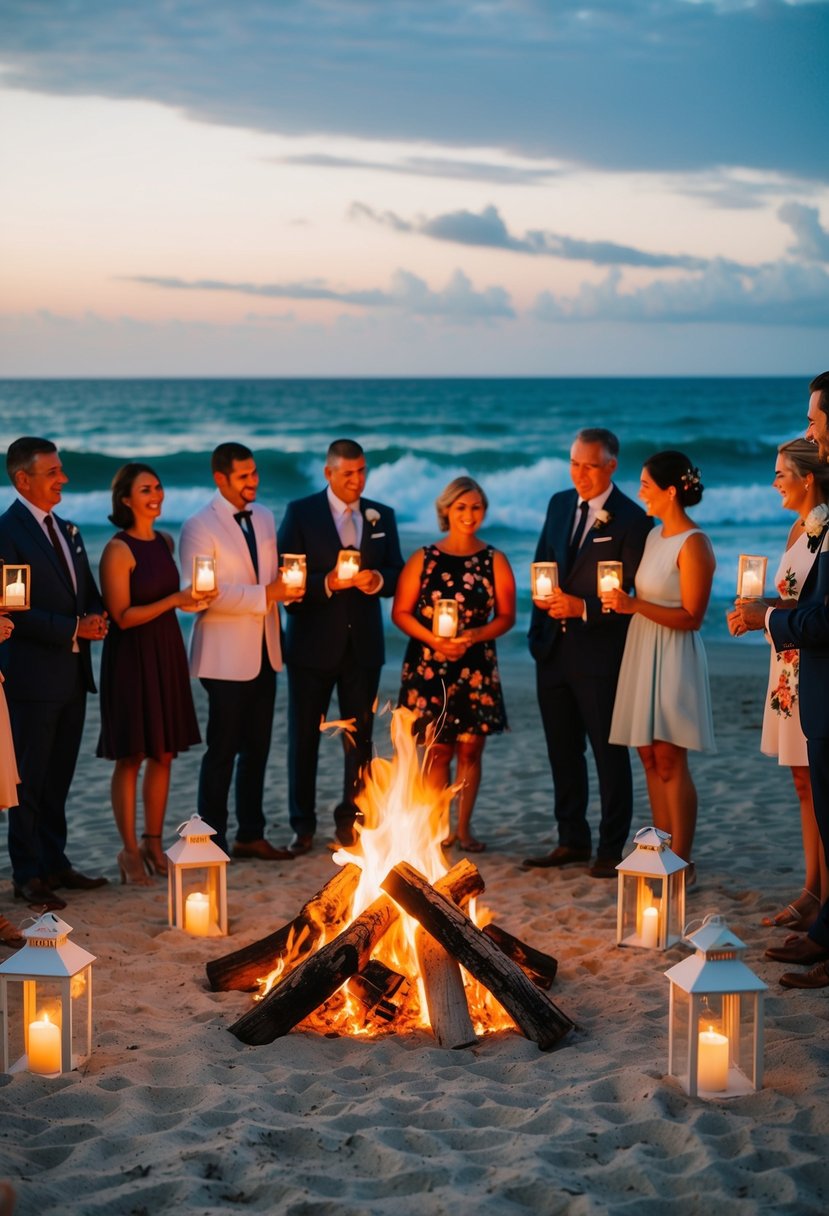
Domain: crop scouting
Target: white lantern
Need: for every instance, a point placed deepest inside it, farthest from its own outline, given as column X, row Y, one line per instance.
column 715, row 1043
column 46, row 1001
column 197, row 881
column 651, row 896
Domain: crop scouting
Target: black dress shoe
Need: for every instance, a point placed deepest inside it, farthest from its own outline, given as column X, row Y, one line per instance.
column 604, row 867
column 73, row 880
column 38, row 895
column 263, row 850
column 563, row 855
column 817, row 977
column 804, row 950
column 301, row 844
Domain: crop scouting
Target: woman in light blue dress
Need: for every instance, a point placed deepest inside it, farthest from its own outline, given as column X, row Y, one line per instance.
column 663, row 703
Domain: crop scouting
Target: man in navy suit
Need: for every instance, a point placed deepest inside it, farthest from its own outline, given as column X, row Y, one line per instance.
column 334, row 637
column 806, row 628
column 578, row 651
column 48, row 670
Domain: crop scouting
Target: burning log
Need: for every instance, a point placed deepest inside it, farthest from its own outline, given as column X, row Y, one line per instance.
column 541, row 968
column 317, row 977
column 374, row 987
column 445, row 994
column 533, row 1012
column 241, row 969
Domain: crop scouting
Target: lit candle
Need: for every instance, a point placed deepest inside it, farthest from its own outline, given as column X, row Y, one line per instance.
column 751, row 587
column 609, row 582
column 15, row 593
column 197, row 914
column 293, row 576
column 446, row 625
column 543, row 586
column 347, row 568
column 650, row 927
column 205, row 578
column 44, row 1046
column 712, row 1064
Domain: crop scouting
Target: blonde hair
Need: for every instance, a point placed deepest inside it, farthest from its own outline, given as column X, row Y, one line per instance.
column 456, row 488
column 803, row 458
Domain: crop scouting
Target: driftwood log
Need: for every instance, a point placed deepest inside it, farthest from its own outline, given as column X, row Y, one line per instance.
column 445, row 993
column 541, row 968
column 241, row 969
column 533, row 1012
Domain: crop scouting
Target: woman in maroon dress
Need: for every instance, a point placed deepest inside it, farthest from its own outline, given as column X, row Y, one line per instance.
column 147, row 713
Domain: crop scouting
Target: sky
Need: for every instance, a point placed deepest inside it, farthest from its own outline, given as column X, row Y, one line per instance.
column 413, row 187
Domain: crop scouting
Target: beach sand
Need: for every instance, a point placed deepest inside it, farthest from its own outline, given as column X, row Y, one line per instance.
column 172, row 1113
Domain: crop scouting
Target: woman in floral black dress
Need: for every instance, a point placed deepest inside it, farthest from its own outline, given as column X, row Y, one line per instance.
column 456, row 687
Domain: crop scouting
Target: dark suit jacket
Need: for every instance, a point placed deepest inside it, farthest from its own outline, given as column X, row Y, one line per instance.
column 319, row 628
column 806, row 628
column 38, row 660
column 622, row 539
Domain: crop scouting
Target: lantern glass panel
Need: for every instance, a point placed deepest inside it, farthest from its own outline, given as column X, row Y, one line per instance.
column 205, row 916
column 48, row 1023
column 642, row 910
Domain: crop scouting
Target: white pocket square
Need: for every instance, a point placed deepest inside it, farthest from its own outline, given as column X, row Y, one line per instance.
column 377, row 535
column 601, row 540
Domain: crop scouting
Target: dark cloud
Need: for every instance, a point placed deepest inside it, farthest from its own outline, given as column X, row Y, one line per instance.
column 620, row 84
column 811, row 238
column 486, row 229
column 424, row 166
column 458, row 301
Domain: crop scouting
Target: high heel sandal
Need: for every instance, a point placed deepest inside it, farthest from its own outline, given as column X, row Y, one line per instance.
column 471, row 845
column 791, row 917
column 155, row 862
column 131, row 865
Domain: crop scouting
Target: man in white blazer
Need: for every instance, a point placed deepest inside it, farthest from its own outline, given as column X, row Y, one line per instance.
column 235, row 650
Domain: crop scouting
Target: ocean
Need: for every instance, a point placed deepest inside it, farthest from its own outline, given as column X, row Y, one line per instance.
column 512, row 435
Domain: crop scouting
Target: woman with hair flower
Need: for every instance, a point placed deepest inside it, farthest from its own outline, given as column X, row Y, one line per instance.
column 453, row 682
column 802, row 480
column 663, row 703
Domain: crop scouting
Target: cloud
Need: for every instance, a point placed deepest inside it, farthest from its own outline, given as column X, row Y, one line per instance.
column 458, row 301
column 486, row 229
column 779, row 293
column 811, row 239
column 425, row 166
column 620, row 84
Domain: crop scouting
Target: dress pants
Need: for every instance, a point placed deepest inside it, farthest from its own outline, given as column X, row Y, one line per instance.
column 576, row 705
column 818, row 751
column 239, row 724
column 309, row 696
column 47, row 738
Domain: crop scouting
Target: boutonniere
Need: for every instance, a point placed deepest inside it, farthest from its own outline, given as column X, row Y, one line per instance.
column 74, row 536
column 602, row 519
column 373, row 516
column 815, row 525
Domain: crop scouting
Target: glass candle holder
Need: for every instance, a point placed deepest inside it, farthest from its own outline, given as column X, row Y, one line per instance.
column 608, row 577
column 204, row 573
column 294, row 570
column 15, row 587
column 544, row 579
column 751, row 576
column 445, row 619
column 348, row 564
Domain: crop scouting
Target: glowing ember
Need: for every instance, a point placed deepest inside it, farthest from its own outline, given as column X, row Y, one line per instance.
column 404, row 818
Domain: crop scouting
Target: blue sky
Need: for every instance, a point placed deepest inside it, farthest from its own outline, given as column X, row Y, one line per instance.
column 393, row 188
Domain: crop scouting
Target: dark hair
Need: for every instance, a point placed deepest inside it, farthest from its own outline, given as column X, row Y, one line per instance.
column 675, row 469
column 600, row 434
column 820, row 384
column 343, row 449
column 225, row 456
column 122, row 515
column 452, row 492
column 22, row 452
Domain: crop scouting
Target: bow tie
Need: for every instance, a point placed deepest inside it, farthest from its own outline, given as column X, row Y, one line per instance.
column 243, row 515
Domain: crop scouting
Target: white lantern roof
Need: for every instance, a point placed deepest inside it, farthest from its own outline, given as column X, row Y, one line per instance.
column 652, row 855
column 715, row 967
column 714, row 934
column 47, row 952
column 194, row 846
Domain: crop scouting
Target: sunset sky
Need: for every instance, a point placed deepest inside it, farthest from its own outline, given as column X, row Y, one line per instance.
column 386, row 187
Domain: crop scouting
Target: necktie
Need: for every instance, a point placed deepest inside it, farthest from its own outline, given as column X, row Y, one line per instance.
column 348, row 533
column 58, row 547
column 243, row 519
column 578, row 535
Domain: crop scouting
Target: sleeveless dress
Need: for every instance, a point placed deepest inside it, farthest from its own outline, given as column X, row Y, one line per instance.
column 782, row 733
column 663, row 681
column 469, row 688
column 146, row 702
column 9, row 776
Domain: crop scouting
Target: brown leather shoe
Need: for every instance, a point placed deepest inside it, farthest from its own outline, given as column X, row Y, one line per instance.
column 73, row 880
column 563, row 855
column 804, row 950
column 38, row 895
column 817, row 977
column 604, row 867
column 262, row 850
column 301, row 844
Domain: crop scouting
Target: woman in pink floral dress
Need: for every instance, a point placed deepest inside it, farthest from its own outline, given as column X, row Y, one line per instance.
column 802, row 480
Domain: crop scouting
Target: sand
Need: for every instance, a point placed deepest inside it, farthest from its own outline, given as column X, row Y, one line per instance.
column 172, row 1113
